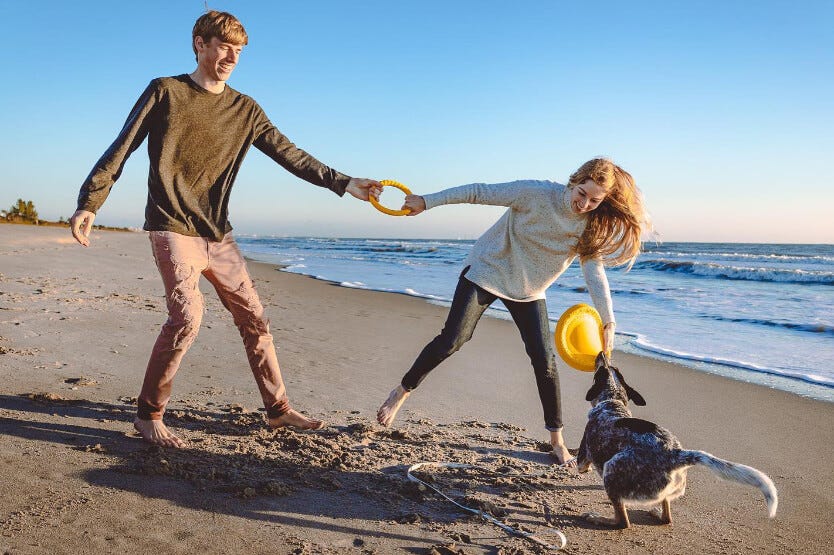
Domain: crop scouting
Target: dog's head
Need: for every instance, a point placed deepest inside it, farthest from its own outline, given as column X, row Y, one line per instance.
column 609, row 384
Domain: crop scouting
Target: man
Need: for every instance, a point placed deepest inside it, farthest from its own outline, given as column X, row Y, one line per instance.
column 199, row 130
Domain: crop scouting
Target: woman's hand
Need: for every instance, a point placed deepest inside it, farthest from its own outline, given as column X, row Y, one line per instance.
column 415, row 203
column 608, row 337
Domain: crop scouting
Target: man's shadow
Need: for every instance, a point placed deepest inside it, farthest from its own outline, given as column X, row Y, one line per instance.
column 237, row 480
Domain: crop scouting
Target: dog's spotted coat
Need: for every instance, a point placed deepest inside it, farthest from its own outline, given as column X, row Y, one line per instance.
column 642, row 464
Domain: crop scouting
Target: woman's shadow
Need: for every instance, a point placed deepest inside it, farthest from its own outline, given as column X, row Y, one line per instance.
column 234, row 465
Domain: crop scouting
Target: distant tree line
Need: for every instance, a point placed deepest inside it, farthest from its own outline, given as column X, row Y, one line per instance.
column 21, row 211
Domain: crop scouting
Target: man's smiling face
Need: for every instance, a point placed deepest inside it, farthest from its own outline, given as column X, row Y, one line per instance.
column 216, row 58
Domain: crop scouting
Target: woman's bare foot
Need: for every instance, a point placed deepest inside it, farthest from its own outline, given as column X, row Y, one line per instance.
column 294, row 419
column 157, row 433
column 559, row 451
column 562, row 456
column 389, row 409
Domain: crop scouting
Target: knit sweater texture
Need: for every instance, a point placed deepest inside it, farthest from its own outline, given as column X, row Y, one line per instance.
column 197, row 141
column 530, row 246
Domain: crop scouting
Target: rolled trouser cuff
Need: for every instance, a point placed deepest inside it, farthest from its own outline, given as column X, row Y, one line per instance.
column 147, row 411
column 279, row 409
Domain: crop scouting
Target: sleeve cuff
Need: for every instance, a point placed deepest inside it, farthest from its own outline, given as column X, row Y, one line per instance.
column 341, row 184
column 432, row 200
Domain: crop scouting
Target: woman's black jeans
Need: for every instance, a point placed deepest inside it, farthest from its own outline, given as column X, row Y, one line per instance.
column 468, row 305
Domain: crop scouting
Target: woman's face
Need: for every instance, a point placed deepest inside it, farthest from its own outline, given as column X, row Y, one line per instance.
column 586, row 196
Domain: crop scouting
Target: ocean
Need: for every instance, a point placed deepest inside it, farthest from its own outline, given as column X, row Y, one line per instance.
column 761, row 313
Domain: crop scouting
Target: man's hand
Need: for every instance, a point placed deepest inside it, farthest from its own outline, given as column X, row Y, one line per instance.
column 415, row 203
column 81, row 223
column 363, row 189
column 608, row 337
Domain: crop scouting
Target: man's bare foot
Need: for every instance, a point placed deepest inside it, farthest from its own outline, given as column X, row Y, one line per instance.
column 157, row 433
column 389, row 409
column 294, row 419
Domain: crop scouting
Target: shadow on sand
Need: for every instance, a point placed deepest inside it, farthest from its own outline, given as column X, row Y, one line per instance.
column 353, row 474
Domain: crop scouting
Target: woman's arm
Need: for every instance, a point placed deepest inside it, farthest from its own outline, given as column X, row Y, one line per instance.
column 597, row 282
column 513, row 193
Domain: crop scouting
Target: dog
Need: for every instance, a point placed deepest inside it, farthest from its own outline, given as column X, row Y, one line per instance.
column 642, row 464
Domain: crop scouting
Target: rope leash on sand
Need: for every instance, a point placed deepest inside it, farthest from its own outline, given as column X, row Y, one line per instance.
column 486, row 516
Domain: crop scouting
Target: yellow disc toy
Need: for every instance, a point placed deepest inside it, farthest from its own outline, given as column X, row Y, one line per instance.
column 579, row 336
column 401, row 187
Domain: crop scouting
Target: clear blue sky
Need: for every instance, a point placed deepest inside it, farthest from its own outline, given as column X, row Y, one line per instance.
column 721, row 110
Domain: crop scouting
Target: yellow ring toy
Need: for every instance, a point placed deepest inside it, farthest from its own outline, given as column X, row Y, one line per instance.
column 401, row 187
column 579, row 337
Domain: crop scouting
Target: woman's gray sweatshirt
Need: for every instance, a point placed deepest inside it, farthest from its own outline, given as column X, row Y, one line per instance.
column 531, row 244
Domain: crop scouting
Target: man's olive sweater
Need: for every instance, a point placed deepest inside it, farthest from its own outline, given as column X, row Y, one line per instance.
column 196, row 143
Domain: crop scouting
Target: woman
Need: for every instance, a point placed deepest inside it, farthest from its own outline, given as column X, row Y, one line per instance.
column 598, row 217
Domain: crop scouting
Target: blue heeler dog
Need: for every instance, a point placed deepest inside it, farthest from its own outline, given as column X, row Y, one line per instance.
column 642, row 464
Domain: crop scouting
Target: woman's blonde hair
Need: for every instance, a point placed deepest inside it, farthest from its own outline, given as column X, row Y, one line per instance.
column 615, row 227
column 222, row 25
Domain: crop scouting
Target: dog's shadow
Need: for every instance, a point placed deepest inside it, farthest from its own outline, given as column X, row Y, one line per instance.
column 591, row 483
column 234, row 465
column 636, row 516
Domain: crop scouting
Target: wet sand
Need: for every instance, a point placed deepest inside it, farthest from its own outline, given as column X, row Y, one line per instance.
column 77, row 325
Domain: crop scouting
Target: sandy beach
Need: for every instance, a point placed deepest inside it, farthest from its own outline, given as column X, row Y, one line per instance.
column 76, row 328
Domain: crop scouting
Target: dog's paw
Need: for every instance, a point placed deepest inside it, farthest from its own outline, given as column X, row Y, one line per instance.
column 657, row 513
column 592, row 517
column 599, row 520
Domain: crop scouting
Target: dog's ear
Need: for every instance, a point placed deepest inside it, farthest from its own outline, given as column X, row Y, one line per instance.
column 632, row 393
column 593, row 392
column 600, row 378
column 636, row 397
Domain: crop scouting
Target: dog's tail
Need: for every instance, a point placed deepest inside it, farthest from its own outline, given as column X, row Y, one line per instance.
column 735, row 472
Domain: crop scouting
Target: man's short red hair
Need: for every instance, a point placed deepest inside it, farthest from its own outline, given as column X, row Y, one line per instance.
column 222, row 25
